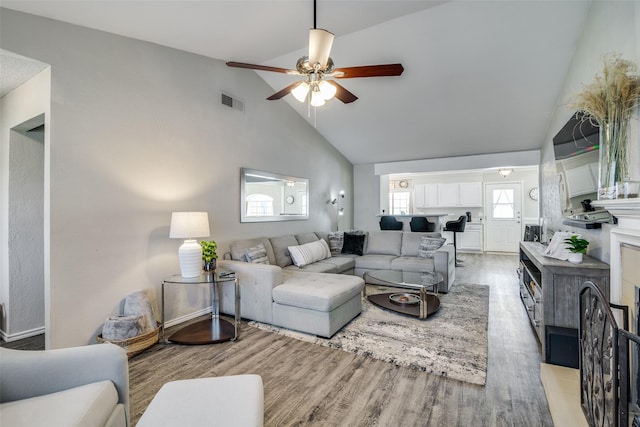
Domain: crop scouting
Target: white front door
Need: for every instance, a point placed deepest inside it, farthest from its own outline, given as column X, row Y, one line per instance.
column 503, row 216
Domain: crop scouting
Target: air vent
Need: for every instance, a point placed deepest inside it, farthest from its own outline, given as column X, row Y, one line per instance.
column 231, row 102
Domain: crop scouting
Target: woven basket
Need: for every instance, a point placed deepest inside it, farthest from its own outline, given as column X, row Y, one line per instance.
column 137, row 344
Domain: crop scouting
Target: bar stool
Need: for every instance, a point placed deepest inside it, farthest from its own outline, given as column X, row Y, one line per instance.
column 421, row 224
column 390, row 223
column 456, row 227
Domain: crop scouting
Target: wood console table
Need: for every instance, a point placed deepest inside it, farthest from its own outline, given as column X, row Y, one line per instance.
column 549, row 291
column 214, row 329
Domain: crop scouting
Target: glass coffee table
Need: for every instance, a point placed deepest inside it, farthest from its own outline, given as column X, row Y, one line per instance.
column 421, row 303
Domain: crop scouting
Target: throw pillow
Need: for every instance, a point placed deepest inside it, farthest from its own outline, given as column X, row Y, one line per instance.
column 429, row 245
column 256, row 254
column 353, row 243
column 336, row 241
column 308, row 253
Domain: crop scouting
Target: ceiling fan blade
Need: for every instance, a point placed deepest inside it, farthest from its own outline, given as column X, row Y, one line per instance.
column 343, row 94
column 260, row 67
column 320, row 42
column 383, row 70
column 284, row 91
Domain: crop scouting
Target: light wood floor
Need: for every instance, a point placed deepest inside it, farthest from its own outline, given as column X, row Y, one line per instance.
column 306, row 384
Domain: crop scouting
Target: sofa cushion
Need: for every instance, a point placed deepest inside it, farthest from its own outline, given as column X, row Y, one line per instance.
column 306, row 238
column 280, row 246
column 353, row 244
column 384, row 242
column 256, row 254
column 316, row 291
column 342, row 262
column 238, row 247
column 429, row 246
column 411, row 241
column 85, row 406
column 375, row 262
column 316, row 267
column 336, row 241
column 308, row 253
column 412, row 263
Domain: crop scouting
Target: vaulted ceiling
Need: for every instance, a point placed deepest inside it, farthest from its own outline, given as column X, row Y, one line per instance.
column 480, row 76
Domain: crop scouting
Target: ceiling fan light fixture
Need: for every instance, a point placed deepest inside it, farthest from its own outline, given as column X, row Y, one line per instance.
column 327, row 90
column 301, row 91
column 316, row 98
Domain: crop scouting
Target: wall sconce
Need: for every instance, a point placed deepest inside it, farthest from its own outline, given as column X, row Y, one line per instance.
column 337, row 201
column 505, row 172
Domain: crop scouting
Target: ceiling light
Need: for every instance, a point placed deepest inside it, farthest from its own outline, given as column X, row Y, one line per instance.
column 316, row 97
column 327, row 89
column 300, row 92
column 505, row 172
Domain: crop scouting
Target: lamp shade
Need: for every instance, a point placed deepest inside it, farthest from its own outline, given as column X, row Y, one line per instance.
column 187, row 225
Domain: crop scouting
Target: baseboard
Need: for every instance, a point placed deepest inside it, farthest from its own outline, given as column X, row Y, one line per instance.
column 21, row 335
column 187, row 317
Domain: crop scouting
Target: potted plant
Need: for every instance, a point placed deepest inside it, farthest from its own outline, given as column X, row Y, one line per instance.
column 209, row 255
column 577, row 247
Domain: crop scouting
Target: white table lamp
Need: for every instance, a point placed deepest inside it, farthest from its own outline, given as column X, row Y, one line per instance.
column 188, row 226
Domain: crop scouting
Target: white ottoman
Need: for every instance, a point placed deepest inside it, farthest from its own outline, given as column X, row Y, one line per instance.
column 225, row 401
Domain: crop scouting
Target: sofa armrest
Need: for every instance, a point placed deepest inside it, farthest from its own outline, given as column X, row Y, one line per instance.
column 444, row 263
column 256, row 283
column 25, row 374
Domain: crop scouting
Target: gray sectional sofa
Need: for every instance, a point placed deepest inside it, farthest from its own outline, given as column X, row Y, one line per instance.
column 323, row 295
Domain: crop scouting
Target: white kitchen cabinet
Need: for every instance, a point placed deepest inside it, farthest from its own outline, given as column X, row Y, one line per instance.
column 448, row 195
column 471, row 240
column 425, row 195
column 470, row 194
column 464, row 194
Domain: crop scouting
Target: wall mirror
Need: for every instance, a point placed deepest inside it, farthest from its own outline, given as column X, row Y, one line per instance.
column 267, row 196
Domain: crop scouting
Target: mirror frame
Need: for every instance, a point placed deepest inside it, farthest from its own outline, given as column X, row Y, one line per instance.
column 244, row 172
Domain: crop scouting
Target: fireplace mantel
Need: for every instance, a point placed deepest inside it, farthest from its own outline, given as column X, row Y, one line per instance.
column 627, row 232
column 621, row 208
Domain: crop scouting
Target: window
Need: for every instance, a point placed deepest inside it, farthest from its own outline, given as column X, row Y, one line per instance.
column 259, row 205
column 400, row 202
column 503, row 207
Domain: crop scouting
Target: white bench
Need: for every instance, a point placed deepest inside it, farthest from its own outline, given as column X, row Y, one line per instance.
column 225, row 401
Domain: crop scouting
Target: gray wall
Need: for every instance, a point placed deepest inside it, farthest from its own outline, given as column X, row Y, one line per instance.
column 610, row 27
column 137, row 131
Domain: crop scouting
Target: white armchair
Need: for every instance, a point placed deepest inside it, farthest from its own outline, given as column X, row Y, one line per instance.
column 79, row 386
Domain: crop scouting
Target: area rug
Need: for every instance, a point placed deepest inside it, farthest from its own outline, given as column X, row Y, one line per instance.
column 451, row 342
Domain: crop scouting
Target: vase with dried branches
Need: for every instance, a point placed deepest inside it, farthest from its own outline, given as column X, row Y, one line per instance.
column 611, row 101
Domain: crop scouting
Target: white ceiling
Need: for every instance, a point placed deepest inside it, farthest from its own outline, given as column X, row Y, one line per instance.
column 480, row 76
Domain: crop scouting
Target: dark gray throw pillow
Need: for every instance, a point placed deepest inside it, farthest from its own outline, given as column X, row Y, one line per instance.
column 353, row 243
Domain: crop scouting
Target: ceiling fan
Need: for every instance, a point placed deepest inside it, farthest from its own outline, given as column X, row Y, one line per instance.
column 317, row 67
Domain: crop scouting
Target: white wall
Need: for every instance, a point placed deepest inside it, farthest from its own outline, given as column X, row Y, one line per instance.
column 22, row 296
column 610, row 27
column 138, row 131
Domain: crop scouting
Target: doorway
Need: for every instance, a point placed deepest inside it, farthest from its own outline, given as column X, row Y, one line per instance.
column 503, row 216
column 26, row 288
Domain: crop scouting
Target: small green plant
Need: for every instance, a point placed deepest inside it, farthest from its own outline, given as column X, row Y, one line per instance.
column 209, row 250
column 577, row 245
